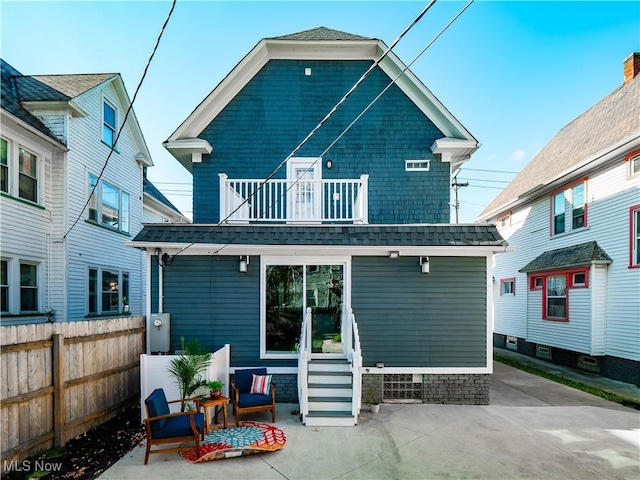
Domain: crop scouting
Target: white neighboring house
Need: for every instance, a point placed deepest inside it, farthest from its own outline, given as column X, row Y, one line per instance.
column 570, row 292
column 58, row 261
column 156, row 207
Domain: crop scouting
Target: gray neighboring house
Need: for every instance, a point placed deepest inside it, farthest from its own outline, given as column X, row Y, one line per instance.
column 570, row 292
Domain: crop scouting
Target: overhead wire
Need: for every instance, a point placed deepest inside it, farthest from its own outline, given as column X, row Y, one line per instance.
column 313, row 131
column 361, row 114
column 124, row 121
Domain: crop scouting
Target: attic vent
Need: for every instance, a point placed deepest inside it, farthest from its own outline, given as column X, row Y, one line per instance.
column 307, row 72
column 589, row 363
column 417, row 165
column 512, row 342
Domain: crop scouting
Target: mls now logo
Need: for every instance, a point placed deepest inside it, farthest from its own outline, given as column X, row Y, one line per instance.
column 28, row 466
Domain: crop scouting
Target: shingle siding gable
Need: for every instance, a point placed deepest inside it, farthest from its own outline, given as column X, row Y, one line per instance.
column 275, row 111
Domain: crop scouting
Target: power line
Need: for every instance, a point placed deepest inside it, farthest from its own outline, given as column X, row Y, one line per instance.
column 490, row 171
column 124, row 121
column 310, row 135
column 483, row 180
column 486, row 186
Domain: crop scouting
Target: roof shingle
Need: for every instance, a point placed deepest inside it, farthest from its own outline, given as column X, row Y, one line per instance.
column 574, row 256
column 321, row 33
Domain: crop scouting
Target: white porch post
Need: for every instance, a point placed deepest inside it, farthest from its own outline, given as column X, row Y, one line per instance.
column 223, row 195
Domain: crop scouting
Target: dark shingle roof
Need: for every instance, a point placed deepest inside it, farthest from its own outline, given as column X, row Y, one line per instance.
column 615, row 117
column 150, row 188
column 321, row 33
column 326, row 235
column 11, row 100
column 574, row 256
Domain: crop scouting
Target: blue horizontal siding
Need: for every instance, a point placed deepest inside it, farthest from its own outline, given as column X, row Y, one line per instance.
column 406, row 318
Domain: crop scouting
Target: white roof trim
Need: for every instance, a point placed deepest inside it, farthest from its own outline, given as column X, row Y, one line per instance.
column 268, row 49
column 189, row 145
column 454, row 150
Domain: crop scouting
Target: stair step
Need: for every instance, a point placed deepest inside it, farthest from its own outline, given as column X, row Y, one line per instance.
column 330, row 377
column 330, row 399
column 329, row 360
column 330, row 419
column 329, row 367
column 330, row 390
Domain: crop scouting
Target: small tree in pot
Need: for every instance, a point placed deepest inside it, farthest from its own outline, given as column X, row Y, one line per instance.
column 188, row 369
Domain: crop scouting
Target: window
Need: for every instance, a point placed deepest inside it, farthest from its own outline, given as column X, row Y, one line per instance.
column 634, row 163
column 108, row 291
column 108, row 124
column 556, row 298
column 536, row 283
column 569, row 208
column 27, row 175
column 292, row 286
column 555, row 288
column 108, row 205
column 508, row 286
column 417, row 165
column 504, row 220
column 4, row 286
column 28, row 287
column 634, row 237
column 4, row 165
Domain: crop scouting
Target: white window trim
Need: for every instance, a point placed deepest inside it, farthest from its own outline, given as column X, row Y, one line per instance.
column 631, row 171
column 291, row 260
column 7, row 285
column 417, row 165
column 116, row 115
column 100, row 271
column 508, row 281
column 13, row 170
column 98, row 193
column 38, row 287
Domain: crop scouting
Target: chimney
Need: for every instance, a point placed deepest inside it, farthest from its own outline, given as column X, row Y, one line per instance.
column 631, row 67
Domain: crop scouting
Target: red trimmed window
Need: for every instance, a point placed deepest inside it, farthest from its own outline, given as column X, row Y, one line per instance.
column 569, row 208
column 555, row 288
column 633, row 160
column 634, row 237
column 507, row 286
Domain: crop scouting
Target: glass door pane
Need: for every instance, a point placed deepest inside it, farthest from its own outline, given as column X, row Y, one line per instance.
column 284, row 307
column 324, row 294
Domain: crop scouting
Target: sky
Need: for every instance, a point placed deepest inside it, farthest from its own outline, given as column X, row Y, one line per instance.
column 512, row 72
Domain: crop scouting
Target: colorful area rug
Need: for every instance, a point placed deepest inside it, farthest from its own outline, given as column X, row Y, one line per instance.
column 250, row 437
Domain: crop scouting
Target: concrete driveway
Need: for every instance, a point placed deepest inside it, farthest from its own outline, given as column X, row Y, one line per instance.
column 533, row 428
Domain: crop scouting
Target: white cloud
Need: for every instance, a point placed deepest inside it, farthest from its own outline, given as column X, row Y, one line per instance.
column 517, row 155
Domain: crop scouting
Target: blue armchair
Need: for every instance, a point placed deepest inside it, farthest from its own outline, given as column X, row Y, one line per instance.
column 164, row 427
column 244, row 401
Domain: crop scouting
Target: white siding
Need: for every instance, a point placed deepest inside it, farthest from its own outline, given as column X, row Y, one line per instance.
column 26, row 228
column 89, row 245
column 616, row 289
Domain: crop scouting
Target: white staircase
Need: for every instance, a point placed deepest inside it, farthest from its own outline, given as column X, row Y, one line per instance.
column 330, row 390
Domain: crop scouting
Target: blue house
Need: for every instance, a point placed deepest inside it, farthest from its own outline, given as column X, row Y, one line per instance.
column 336, row 268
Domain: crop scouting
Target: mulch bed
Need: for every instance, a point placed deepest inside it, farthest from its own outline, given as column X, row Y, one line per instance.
column 87, row 455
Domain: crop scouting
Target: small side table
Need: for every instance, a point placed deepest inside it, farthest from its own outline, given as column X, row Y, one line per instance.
column 218, row 402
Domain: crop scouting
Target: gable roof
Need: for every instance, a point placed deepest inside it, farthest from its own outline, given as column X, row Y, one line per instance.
column 609, row 124
column 10, row 101
column 321, row 44
column 59, row 87
column 321, row 33
column 574, row 256
column 150, row 189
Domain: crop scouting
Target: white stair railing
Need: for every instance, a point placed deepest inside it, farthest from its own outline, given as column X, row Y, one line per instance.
column 304, row 355
column 354, row 355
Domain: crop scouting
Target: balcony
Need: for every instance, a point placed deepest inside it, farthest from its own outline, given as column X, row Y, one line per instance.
column 304, row 201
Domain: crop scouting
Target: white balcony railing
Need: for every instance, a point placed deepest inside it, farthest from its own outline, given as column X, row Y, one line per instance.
column 291, row 201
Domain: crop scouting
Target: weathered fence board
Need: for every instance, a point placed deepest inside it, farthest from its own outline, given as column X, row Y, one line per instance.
column 60, row 379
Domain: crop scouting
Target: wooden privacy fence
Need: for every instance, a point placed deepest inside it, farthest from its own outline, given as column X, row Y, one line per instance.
column 61, row 379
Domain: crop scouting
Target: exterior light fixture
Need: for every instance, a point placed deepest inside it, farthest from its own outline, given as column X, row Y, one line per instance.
column 329, row 164
column 424, row 264
column 244, row 263
column 394, row 254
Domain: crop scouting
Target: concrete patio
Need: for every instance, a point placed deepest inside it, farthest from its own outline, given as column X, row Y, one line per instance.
column 533, row 428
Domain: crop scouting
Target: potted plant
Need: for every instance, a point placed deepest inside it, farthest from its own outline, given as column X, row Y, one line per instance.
column 215, row 388
column 188, row 369
column 371, row 397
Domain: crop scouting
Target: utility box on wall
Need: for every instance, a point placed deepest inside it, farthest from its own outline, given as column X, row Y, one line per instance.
column 159, row 331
